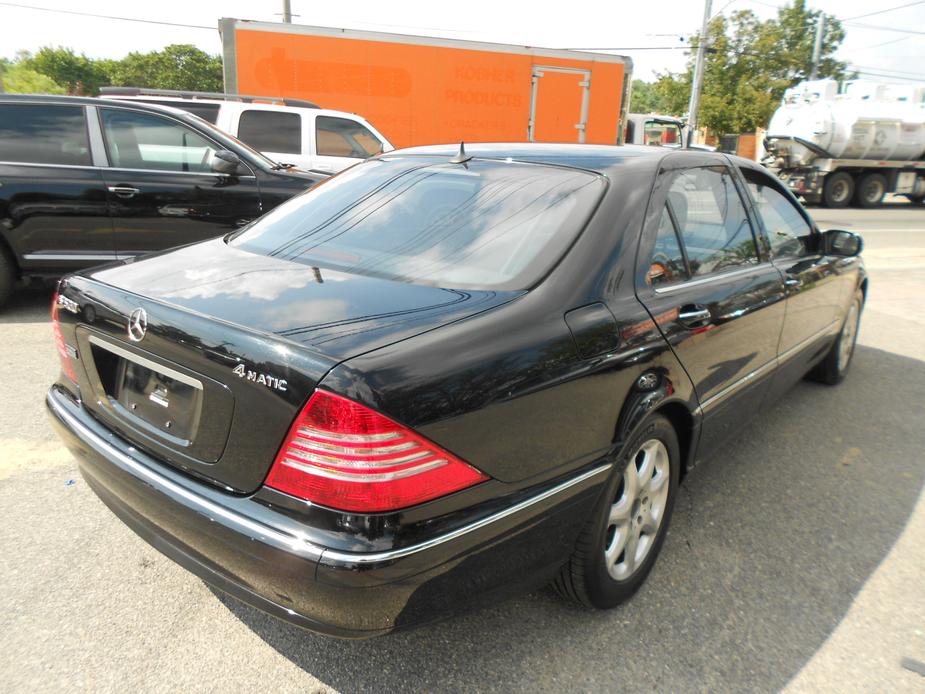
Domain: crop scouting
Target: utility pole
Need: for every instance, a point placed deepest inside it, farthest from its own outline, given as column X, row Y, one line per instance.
column 287, row 12
column 817, row 47
column 698, row 74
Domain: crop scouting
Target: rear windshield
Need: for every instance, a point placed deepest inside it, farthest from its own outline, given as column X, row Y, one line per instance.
column 483, row 224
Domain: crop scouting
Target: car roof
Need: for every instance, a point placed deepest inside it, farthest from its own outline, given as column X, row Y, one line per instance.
column 90, row 101
column 598, row 158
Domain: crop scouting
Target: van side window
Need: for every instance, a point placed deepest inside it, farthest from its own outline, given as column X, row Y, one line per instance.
column 788, row 231
column 44, row 134
column 339, row 137
column 271, row 131
column 712, row 220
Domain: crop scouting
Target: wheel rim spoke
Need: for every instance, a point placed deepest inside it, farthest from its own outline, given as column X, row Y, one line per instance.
column 635, row 517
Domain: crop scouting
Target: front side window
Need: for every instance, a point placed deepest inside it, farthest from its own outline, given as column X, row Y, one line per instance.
column 144, row 141
column 788, row 231
column 271, row 131
column 44, row 134
column 712, row 220
column 340, row 137
column 423, row 220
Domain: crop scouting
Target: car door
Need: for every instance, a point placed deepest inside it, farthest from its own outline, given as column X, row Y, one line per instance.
column 342, row 142
column 276, row 134
column 161, row 189
column 53, row 212
column 710, row 288
column 816, row 283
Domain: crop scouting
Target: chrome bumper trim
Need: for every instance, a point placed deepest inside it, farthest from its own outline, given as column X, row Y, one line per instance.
column 290, row 542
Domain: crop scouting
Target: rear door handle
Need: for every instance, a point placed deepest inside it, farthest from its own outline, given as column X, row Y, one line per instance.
column 124, row 191
column 693, row 315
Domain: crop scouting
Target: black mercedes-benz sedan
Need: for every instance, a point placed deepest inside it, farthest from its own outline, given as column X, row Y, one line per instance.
column 441, row 376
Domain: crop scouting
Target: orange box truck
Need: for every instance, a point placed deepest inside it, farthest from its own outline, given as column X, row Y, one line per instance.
column 419, row 90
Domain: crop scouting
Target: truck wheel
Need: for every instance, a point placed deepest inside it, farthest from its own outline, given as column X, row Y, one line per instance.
column 870, row 191
column 838, row 189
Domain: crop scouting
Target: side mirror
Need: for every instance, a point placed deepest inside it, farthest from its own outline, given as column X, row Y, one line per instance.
column 225, row 162
column 843, row 243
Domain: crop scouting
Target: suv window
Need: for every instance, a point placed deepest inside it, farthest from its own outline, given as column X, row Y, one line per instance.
column 271, row 131
column 788, row 231
column 206, row 111
column 144, row 141
column 711, row 218
column 340, row 137
column 44, row 134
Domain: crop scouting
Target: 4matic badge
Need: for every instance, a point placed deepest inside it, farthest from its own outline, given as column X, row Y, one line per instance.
column 263, row 379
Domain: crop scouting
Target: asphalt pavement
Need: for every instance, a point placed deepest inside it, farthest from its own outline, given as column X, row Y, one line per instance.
column 796, row 558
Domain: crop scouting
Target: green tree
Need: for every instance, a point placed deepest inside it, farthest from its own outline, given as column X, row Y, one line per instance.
column 179, row 66
column 750, row 63
column 16, row 78
column 78, row 74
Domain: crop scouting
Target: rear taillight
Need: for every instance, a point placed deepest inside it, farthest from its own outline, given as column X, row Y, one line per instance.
column 342, row 454
column 66, row 365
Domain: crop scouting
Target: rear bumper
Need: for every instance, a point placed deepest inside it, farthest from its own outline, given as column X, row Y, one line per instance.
column 268, row 559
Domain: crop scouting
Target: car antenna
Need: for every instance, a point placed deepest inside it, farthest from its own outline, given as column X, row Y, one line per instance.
column 461, row 156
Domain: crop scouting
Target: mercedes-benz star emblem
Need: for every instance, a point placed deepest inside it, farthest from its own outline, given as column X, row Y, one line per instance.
column 137, row 325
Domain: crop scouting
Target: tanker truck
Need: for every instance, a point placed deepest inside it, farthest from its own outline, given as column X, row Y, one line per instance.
column 852, row 147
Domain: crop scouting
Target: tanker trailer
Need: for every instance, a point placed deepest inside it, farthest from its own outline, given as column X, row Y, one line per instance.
column 851, row 147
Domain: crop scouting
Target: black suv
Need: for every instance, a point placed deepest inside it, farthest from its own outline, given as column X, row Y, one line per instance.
column 85, row 181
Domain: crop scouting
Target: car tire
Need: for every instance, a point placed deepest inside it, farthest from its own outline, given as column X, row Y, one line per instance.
column 8, row 276
column 594, row 576
column 870, row 191
column 834, row 367
column 838, row 190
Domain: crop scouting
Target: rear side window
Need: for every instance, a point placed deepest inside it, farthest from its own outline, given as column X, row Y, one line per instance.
column 489, row 224
column 711, row 219
column 788, row 231
column 44, row 134
column 340, row 137
column 138, row 140
column 271, row 131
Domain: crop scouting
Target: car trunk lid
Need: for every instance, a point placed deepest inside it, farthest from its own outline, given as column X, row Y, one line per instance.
column 233, row 345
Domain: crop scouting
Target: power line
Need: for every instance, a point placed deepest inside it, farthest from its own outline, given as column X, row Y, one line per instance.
column 891, row 9
column 887, row 43
column 106, row 16
column 917, row 75
column 633, row 48
column 882, row 28
column 886, row 75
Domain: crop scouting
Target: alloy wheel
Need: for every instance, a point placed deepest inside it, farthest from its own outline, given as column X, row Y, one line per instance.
column 637, row 513
column 848, row 336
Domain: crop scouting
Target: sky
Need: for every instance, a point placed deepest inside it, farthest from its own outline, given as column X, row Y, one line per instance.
column 892, row 52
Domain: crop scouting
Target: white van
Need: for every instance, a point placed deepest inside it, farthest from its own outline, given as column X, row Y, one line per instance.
column 289, row 131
